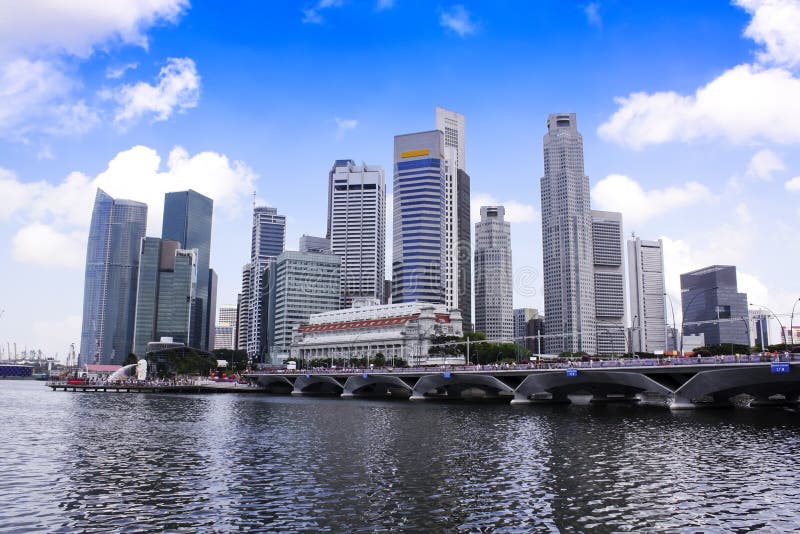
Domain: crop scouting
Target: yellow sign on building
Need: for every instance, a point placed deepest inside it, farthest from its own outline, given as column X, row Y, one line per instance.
column 414, row 153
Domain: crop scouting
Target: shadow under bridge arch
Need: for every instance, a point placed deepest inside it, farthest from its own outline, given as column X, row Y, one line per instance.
column 720, row 385
column 317, row 385
column 460, row 386
column 556, row 386
column 275, row 384
column 377, row 385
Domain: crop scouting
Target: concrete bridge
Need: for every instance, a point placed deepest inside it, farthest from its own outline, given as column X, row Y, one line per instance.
column 679, row 383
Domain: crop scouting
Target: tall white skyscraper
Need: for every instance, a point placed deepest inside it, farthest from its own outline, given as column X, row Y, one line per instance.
column 457, row 236
column 646, row 285
column 452, row 124
column 357, row 227
column 268, row 241
column 419, row 215
column 494, row 284
column 609, row 282
column 567, row 240
column 225, row 328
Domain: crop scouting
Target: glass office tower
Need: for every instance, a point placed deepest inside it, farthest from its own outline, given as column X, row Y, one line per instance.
column 187, row 220
column 112, row 266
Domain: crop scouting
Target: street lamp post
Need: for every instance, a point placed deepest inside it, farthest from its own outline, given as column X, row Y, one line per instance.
column 791, row 321
column 689, row 305
column 671, row 307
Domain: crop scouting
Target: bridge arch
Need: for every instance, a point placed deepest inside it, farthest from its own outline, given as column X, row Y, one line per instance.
column 455, row 385
column 317, row 385
column 379, row 385
column 600, row 384
column 721, row 384
column 275, row 383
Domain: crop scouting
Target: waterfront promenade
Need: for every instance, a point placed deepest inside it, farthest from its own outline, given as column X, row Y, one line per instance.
column 676, row 382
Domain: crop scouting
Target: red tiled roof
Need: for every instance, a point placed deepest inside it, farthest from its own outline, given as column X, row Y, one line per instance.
column 367, row 323
column 100, row 368
column 350, row 325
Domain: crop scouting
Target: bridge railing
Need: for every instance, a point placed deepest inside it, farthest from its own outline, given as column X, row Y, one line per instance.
column 590, row 364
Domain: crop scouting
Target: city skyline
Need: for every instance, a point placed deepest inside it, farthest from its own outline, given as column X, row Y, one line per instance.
column 702, row 190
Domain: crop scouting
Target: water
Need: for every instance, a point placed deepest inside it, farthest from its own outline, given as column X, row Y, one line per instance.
column 142, row 462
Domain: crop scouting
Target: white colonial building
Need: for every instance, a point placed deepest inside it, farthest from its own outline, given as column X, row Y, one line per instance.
column 395, row 330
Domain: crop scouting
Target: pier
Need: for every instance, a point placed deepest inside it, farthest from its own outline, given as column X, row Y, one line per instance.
column 199, row 388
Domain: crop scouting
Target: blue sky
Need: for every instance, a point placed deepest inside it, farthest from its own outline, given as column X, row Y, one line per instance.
column 690, row 113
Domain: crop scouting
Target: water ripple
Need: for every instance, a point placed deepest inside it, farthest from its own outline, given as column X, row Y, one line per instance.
column 143, row 463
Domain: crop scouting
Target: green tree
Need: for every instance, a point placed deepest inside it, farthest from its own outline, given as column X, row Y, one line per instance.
column 131, row 359
column 237, row 359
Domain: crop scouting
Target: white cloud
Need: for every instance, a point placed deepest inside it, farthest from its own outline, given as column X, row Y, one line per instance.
column 516, row 212
column 53, row 217
column 42, row 43
column 385, row 4
column 46, row 245
column 745, row 104
column 763, row 164
column 458, row 20
column 344, row 125
column 79, row 27
column 38, row 96
column 592, row 12
column 178, row 89
column 45, row 152
column 311, row 15
column 774, row 25
column 618, row 192
column 115, row 73
column 793, row 185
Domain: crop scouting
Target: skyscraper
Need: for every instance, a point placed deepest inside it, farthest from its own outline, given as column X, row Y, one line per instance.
column 166, row 294
column 112, row 268
column 419, row 213
column 567, row 240
column 301, row 284
column 646, row 283
column 357, row 227
column 452, row 125
column 759, row 331
column 242, row 314
column 609, row 282
column 494, row 307
column 713, row 306
column 268, row 241
column 226, row 328
column 529, row 329
column 187, row 220
column 310, row 243
column 457, row 234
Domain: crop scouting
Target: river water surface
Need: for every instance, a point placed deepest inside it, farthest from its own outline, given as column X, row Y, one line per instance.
column 95, row 462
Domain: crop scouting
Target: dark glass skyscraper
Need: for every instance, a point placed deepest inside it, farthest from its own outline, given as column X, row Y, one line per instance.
column 713, row 306
column 112, row 268
column 187, row 220
column 164, row 302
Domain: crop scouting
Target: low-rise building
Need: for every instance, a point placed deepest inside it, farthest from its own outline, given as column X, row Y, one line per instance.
column 404, row 331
